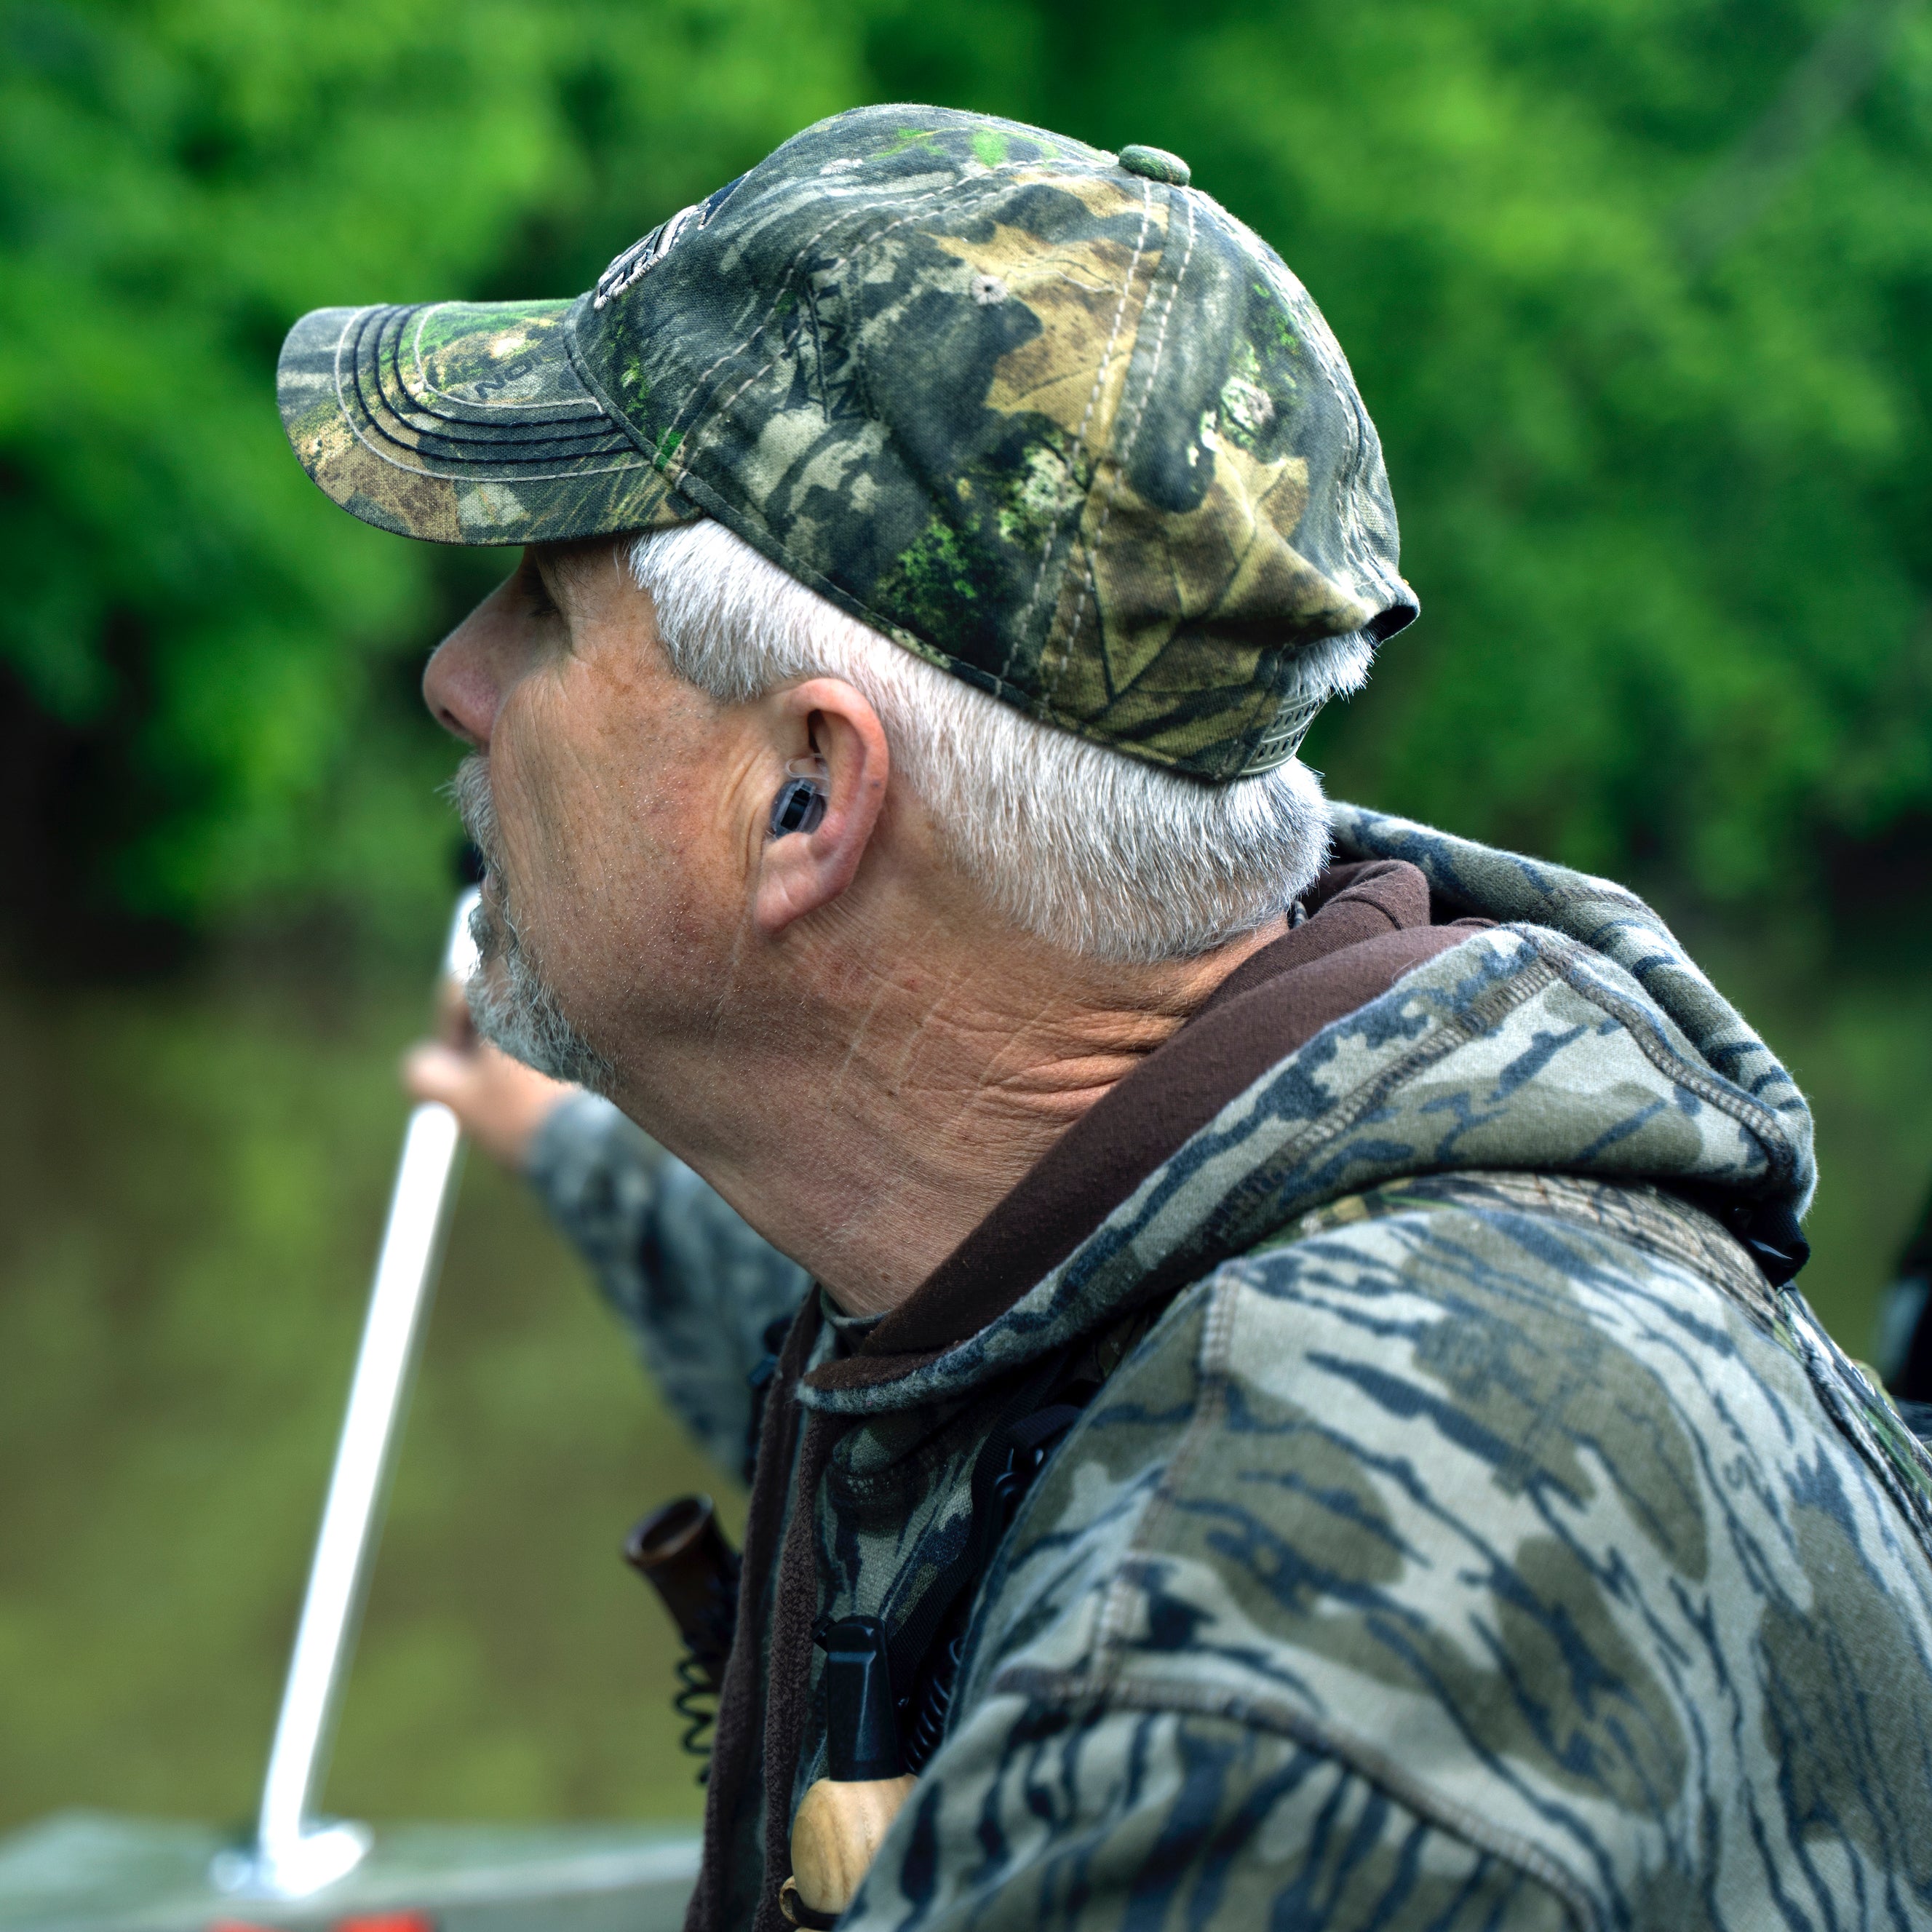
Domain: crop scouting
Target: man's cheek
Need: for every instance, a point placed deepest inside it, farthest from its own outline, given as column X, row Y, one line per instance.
column 535, row 819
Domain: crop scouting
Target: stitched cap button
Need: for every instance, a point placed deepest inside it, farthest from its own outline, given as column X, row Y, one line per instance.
column 1155, row 163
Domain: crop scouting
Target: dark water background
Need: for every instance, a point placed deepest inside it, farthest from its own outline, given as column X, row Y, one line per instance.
column 192, row 1186
column 192, row 1181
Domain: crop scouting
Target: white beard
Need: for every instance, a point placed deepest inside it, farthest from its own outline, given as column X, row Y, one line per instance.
column 512, row 1004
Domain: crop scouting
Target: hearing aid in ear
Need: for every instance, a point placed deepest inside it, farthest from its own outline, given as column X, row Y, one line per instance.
column 800, row 803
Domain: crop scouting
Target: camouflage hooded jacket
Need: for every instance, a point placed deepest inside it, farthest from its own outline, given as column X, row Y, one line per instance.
column 1475, row 1539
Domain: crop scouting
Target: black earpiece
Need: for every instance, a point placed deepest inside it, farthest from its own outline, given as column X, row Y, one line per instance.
column 800, row 803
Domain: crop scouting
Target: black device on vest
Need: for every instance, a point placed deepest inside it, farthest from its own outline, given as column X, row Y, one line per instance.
column 800, row 803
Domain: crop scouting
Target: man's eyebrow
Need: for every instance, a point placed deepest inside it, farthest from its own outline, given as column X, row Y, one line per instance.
column 556, row 568
column 562, row 564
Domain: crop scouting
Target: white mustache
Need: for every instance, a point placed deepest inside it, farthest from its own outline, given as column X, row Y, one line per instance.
column 469, row 790
column 511, row 1002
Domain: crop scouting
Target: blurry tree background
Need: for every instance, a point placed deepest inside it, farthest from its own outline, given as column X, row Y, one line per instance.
column 1639, row 293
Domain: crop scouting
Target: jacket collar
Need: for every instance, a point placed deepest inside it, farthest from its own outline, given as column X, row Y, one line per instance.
column 1365, row 924
column 1581, row 1037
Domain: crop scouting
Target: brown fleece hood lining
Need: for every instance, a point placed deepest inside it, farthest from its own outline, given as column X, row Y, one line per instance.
column 1369, row 924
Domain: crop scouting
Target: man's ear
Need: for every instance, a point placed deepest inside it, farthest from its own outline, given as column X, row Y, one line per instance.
column 799, row 872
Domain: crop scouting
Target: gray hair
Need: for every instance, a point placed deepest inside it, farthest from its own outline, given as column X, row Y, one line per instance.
column 1080, row 844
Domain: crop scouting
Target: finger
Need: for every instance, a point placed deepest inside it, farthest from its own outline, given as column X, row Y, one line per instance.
column 434, row 1072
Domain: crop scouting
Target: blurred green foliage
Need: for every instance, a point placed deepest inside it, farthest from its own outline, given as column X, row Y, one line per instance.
column 1654, row 384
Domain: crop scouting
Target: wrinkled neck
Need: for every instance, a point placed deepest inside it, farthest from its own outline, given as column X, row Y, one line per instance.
column 866, row 1119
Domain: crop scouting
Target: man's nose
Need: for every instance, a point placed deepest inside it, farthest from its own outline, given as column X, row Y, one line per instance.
column 470, row 670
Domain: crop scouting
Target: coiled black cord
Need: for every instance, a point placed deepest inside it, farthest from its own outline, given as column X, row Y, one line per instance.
column 700, row 1672
column 680, row 1552
column 924, row 1727
column 697, row 1703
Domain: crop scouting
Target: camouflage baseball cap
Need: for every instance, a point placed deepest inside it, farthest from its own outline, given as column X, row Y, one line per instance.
column 1050, row 417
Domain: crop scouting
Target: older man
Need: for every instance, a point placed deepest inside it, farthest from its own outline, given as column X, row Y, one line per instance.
column 1301, row 1418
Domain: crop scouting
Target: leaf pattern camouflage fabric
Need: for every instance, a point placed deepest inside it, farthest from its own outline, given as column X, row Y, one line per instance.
column 1477, row 1541
column 1071, row 432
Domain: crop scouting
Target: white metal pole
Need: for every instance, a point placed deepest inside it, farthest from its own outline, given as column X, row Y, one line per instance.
column 294, row 1854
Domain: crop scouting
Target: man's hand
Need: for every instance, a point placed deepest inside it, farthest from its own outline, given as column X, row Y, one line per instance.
column 500, row 1102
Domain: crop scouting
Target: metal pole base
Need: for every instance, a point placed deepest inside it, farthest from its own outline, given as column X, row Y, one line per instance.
column 297, row 1867
column 294, row 1854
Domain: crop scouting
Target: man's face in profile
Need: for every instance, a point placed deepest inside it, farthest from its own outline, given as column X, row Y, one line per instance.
column 593, row 796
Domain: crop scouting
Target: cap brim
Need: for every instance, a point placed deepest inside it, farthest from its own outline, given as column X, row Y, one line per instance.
column 464, row 423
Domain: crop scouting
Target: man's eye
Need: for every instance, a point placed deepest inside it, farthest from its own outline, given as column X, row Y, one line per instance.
column 542, row 604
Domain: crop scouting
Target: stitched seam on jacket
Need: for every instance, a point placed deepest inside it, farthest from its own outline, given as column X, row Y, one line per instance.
column 1122, row 1590
column 1608, row 905
column 1663, row 1225
column 1087, row 1692
column 1566, row 955
column 1447, row 1037
column 1444, row 1036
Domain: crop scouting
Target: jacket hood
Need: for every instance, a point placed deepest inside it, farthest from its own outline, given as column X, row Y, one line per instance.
column 1610, row 921
column 1575, row 1036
